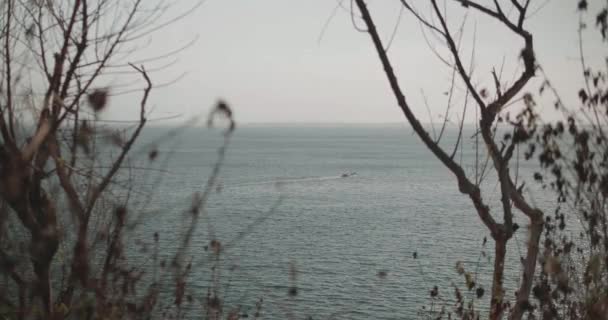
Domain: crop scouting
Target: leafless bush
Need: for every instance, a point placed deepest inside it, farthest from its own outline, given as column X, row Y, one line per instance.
column 63, row 219
column 490, row 108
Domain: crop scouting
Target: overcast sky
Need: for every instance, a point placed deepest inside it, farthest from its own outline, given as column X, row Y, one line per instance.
column 273, row 61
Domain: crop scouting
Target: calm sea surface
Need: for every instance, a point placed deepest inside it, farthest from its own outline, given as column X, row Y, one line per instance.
column 338, row 233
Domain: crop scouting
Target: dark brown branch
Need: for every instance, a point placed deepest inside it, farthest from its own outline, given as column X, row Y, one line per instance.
column 6, row 129
column 127, row 146
column 42, row 45
column 59, row 62
column 428, row 110
column 432, row 48
column 461, row 126
column 520, row 83
column 466, row 102
column 7, row 263
column 452, row 86
column 501, row 233
column 97, row 191
column 456, row 55
column 102, row 61
column 80, row 48
column 421, row 19
column 475, row 5
column 64, row 180
column 8, row 72
column 464, row 185
column 529, row 266
column 517, row 5
column 522, row 11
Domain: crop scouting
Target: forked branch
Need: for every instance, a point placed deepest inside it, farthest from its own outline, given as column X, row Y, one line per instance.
column 464, row 184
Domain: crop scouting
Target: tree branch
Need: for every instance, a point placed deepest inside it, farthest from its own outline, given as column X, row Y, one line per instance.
column 464, row 185
column 454, row 49
column 125, row 149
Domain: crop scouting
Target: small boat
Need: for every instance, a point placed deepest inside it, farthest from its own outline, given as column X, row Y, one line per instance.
column 348, row 174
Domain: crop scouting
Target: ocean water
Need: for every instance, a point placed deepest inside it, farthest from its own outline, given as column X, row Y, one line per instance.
column 346, row 243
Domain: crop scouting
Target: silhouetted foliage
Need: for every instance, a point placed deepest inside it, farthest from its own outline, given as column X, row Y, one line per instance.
column 65, row 250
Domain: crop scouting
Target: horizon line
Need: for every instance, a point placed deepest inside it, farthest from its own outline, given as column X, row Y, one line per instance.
column 319, row 124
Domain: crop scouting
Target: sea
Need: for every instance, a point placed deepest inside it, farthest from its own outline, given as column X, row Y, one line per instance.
column 320, row 221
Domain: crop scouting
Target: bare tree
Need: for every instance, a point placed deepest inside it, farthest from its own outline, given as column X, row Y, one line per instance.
column 489, row 111
column 54, row 57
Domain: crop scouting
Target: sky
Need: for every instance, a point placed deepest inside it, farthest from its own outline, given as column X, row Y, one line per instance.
column 288, row 61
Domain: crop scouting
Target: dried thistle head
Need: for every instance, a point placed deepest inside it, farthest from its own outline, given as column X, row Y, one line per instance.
column 223, row 110
column 98, row 99
column 484, row 93
column 434, row 292
column 153, row 154
column 223, row 107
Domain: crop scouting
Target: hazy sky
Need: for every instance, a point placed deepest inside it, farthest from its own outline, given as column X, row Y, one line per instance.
column 266, row 58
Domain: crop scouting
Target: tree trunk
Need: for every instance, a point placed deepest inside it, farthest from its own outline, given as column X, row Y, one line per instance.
column 44, row 247
column 497, row 305
column 45, row 241
column 523, row 294
column 42, row 271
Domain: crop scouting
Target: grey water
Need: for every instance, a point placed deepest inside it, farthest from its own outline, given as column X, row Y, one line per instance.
column 366, row 246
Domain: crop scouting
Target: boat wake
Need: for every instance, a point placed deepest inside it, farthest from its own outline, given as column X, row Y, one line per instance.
column 287, row 181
